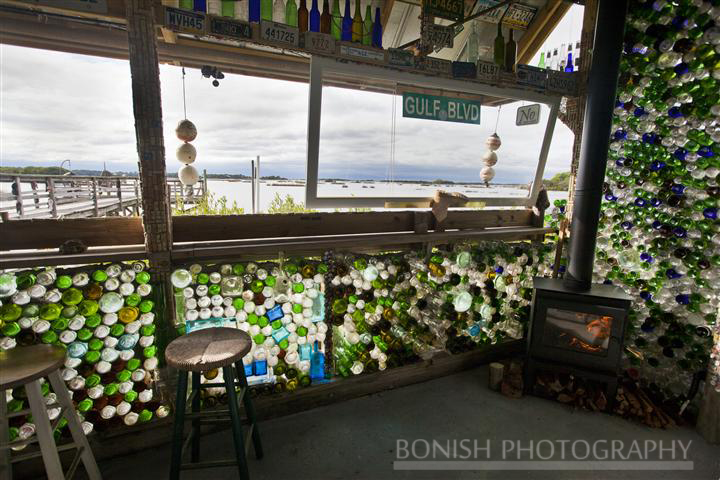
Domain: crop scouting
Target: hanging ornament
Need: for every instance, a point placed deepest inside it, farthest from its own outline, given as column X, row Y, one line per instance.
column 489, row 158
column 186, row 153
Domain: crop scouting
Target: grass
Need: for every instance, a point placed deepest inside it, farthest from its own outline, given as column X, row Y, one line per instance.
column 208, row 205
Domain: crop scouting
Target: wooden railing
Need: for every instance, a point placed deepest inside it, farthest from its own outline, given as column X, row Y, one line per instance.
column 67, row 196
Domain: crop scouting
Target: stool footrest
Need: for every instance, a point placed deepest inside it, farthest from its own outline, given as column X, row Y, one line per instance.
column 76, row 461
column 26, row 411
column 38, row 453
column 210, row 464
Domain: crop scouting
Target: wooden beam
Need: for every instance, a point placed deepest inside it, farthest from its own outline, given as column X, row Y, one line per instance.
column 365, row 243
column 386, row 11
column 239, row 227
column 539, row 30
column 115, row 11
column 124, row 231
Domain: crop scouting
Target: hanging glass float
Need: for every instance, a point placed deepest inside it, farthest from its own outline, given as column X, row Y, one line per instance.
column 489, row 158
column 186, row 152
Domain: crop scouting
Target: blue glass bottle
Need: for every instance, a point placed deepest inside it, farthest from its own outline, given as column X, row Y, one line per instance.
column 200, row 6
column 569, row 64
column 254, row 12
column 346, row 35
column 317, row 364
column 377, row 30
column 315, row 17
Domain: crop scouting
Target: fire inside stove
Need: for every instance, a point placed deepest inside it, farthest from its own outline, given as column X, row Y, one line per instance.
column 578, row 331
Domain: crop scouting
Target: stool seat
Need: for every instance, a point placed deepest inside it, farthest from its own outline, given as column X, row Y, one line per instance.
column 206, row 349
column 19, row 366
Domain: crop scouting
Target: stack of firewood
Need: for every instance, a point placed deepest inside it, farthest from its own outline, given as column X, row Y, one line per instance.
column 634, row 403
column 571, row 390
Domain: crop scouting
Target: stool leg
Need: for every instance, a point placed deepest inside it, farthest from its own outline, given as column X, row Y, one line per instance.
column 44, row 433
column 5, row 465
column 74, row 426
column 195, row 448
column 236, row 423
column 179, row 425
column 250, row 410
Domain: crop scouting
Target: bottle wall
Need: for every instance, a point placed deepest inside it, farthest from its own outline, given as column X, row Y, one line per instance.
column 312, row 320
column 659, row 235
column 107, row 318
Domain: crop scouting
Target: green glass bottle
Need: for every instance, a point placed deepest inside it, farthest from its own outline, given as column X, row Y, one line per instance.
column 499, row 48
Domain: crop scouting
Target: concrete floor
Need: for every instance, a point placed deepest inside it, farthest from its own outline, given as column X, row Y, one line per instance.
column 357, row 439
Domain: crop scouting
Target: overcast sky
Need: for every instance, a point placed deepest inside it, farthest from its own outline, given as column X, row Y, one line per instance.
column 57, row 106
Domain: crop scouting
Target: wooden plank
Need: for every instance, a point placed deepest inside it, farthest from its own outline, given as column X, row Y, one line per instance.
column 53, row 258
column 367, row 243
column 238, row 227
column 51, row 233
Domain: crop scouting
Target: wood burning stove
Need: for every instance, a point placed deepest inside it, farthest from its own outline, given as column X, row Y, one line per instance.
column 576, row 332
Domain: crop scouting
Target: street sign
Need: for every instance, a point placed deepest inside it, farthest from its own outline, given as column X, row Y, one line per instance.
column 443, row 109
column 447, row 9
column 528, row 115
column 185, row 21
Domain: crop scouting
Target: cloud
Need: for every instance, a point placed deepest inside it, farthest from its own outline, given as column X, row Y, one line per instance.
column 58, row 106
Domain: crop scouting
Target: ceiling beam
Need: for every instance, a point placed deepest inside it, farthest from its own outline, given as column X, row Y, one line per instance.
column 539, row 30
column 386, row 10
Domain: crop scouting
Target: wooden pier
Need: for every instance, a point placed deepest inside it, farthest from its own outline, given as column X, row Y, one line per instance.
column 79, row 196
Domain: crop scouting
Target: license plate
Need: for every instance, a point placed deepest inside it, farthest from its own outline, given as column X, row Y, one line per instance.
column 223, row 27
column 562, row 82
column 365, row 54
column 279, row 34
column 319, row 43
column 532, row 76
column 488, row 71
column 184, row 21
column 401, row 58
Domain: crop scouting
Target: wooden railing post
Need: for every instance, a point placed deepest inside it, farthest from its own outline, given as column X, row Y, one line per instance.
column 95, row 197
column 18, row 197
column 51, row 197
column 204, row 184
column 136, row 184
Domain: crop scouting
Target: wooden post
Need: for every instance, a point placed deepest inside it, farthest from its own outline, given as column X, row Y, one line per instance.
column 147, row 109
column 18, row 197
column 118, row 186
column 136, row 184
column 51, row 196
column 95, row 197
column 204, row 184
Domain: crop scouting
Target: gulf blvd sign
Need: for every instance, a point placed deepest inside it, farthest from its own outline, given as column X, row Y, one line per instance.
column 443, row 109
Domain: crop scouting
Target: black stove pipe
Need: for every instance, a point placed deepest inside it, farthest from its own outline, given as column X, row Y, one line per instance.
column 602, row 83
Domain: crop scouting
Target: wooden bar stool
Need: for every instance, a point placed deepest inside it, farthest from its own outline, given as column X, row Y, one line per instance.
column 201, row 351
column 26, row 366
